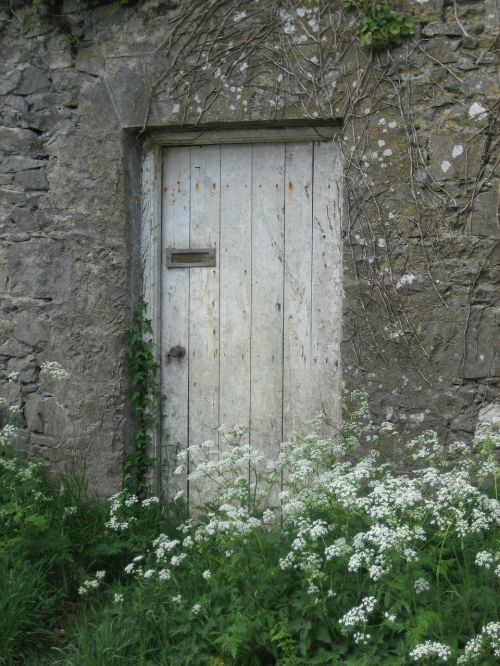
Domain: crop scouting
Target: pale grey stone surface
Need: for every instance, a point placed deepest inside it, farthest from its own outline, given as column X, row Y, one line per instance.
column 422, row 288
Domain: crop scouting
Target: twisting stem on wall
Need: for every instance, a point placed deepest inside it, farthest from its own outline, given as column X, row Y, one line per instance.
column 143, row 371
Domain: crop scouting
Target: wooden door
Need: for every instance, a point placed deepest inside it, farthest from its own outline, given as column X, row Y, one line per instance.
column 254, row 338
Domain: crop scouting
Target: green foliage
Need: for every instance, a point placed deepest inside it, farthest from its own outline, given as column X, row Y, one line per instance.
column 143, row 394
column 26, row 600
column 51, row 536
column 233, row 587
column 379, row 25
column 243, row 584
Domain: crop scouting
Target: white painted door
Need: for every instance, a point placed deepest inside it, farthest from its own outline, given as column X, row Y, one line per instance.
column 253, row 339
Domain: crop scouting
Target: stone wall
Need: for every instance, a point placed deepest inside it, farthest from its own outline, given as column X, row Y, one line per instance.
column 420, row 141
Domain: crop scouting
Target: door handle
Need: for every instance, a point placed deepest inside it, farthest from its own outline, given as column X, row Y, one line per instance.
column 176, row 352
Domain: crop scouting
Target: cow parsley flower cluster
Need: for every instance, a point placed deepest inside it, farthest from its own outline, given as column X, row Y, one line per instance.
column 488, row 641
column 349, row 511
column 485, row 559
column 421, row 585
column 91, row 583
column 117, row 502
column 430, row 649
column 359, row 614
column 7, row 434
column 54, row 371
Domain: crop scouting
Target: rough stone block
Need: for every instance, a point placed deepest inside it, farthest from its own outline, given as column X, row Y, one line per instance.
column 16, row 141
column 15, row 103
column 484, row 216
column 32, row 179
column 40, row 268
column 9, row 80
column 14, row 164
column 33, row 80
column 89, row 59
column 453, row 155
column 14, row 348
column 31, row 330
column 450, row 28
column 25, row 367
column 10, row 392
column 46, row 415
column 481, row 354
column 442, row 49
column 11, row 196
column 488, row 419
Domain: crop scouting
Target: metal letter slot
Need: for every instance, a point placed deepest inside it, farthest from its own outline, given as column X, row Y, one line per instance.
column 190, row 257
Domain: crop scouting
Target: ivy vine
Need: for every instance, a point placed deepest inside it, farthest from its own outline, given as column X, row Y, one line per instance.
column 144, row 390
column 380, row 26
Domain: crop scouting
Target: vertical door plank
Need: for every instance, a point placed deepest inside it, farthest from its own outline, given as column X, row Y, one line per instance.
column 267, row 297
column 204, row 298
column 175, row 311
column 326, row 282
column 235, row 284
column 297, row 394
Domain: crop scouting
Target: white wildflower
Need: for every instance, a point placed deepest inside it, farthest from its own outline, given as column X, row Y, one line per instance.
column 360, row 638
column 207, row 574
column 485, row 559
column 196, row 609
column 487, row 640
column 359, row 614
column 87, row 585
column 118, row 598
column 7, row 432
column 421, row 585
column 338, row 548
column 177, row 559
column 431, row 649
column 54, row 371
column 150, row 500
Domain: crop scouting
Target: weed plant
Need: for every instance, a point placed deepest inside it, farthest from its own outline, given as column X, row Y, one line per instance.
column 51, row 534
column 354, row 549
column 358, row 549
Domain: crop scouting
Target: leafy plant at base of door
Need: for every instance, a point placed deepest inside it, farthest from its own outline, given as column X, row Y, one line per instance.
column 379, row 25
column 143, row 392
